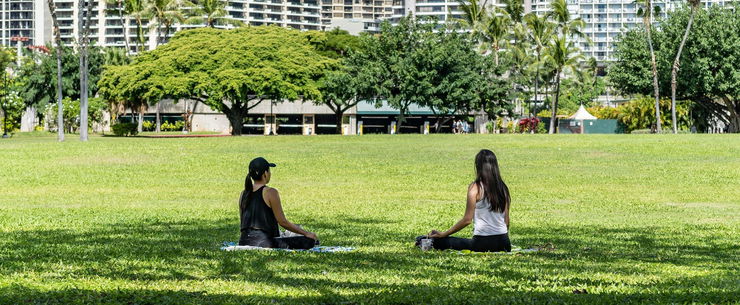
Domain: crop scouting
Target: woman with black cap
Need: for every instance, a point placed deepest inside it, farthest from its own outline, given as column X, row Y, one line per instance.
column 261, row 212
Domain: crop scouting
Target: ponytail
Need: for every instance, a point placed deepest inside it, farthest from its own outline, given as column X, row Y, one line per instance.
column 246, row 193
column 248, row 185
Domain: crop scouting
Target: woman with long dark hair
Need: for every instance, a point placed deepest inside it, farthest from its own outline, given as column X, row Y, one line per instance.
column 487, row 208
column 261, row 211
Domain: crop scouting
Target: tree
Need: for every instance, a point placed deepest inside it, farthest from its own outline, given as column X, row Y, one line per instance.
column 211, row 13
column 83, row 40
column 39, row 82
column 709, row 63
column 58, row 42
column 514, row 10
column 8, row 103
column 336, row 44
column 231, row 71
column 123, row 18
column 399, row 63
column 539, row 33
column 496, row 32
column 339, row 92
column 567, row 25
column 137, row 9
column 342, row 87
column 674, row 70
column 646, row 11
column 457, row 80
column 563, row 56
column 473, row 15
column 164, row 14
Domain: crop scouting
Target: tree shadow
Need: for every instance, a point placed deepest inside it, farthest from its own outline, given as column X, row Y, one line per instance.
column 156, row 250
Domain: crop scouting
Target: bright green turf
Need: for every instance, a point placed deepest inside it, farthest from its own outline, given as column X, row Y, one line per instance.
column 634, row 218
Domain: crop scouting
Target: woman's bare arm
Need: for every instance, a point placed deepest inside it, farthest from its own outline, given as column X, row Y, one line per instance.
column 467, row 218
column 272, row 198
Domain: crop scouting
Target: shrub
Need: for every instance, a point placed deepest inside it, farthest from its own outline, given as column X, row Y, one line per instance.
column 529, row 124
column 124, row 129
column 490, row 126
column 541, row 128
column 148, row 125
column 177, row 126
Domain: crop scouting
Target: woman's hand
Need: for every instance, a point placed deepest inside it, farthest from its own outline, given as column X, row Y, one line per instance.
column 437, row 234
column 311, row 235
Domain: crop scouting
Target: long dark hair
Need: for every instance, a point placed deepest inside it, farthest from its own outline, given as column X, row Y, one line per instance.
column 488, row 176
column 248, row 185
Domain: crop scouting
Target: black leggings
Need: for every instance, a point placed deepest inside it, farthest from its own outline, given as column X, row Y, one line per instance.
column 491, row 243
column 259, row 238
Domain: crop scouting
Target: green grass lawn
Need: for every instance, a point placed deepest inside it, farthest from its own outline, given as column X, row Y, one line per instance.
column 633, row 218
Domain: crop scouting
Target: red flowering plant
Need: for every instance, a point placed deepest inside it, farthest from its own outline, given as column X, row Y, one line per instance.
column 529, row 124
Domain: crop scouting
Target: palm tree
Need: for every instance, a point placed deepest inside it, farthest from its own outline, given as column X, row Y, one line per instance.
column 646, row 11
column 562, row 56
column 58, row 41
column 164, row 14
column 83, row 40
column 473, row 15
column 674, row 71
column 539, row 33
column 514, row 9
column 119, row 10
column 561, row 15
column 136, row 9
column 211, row 13
column 496, row 32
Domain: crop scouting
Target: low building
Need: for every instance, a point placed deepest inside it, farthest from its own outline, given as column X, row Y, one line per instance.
column 305, row 118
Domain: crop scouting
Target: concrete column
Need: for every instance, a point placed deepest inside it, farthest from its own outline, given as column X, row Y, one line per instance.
column 481, row 119
column 29, row 120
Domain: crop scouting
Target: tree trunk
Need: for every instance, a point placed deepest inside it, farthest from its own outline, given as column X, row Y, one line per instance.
column 123, row 25
column 84, row 73
column 339, row 114
column 656, row 90
column 140, row 123
column 734, row 117
column 58, row 40
column 236, row 119
column 536, row 80
column 157, row 129
column 674, row 71
column 555, row 104
column 190, row 116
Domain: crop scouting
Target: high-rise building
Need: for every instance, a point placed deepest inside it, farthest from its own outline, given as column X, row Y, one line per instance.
column 107, row 28
column 24, row 18
column 354, row 15
column 442, row 9
column 607, row 19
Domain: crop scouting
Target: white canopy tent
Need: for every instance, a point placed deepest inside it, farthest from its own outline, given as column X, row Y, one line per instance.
column 582, row 114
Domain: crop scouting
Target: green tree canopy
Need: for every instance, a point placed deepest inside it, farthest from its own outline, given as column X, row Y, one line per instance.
column 709, row 74
column 38, row 75
column 229, row 70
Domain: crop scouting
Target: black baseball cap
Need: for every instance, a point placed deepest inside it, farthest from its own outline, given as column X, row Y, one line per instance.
column 260, row 165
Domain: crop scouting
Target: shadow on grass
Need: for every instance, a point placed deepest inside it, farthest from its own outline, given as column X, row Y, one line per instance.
column 395, row 294
column 155, row 250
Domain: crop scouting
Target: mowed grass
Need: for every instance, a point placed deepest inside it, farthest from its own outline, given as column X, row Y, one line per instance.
column 633, row 218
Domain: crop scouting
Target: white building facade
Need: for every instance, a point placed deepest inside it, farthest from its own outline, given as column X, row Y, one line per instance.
column 24, row 18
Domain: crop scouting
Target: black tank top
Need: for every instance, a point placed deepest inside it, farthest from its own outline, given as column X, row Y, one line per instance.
column 257, row 215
